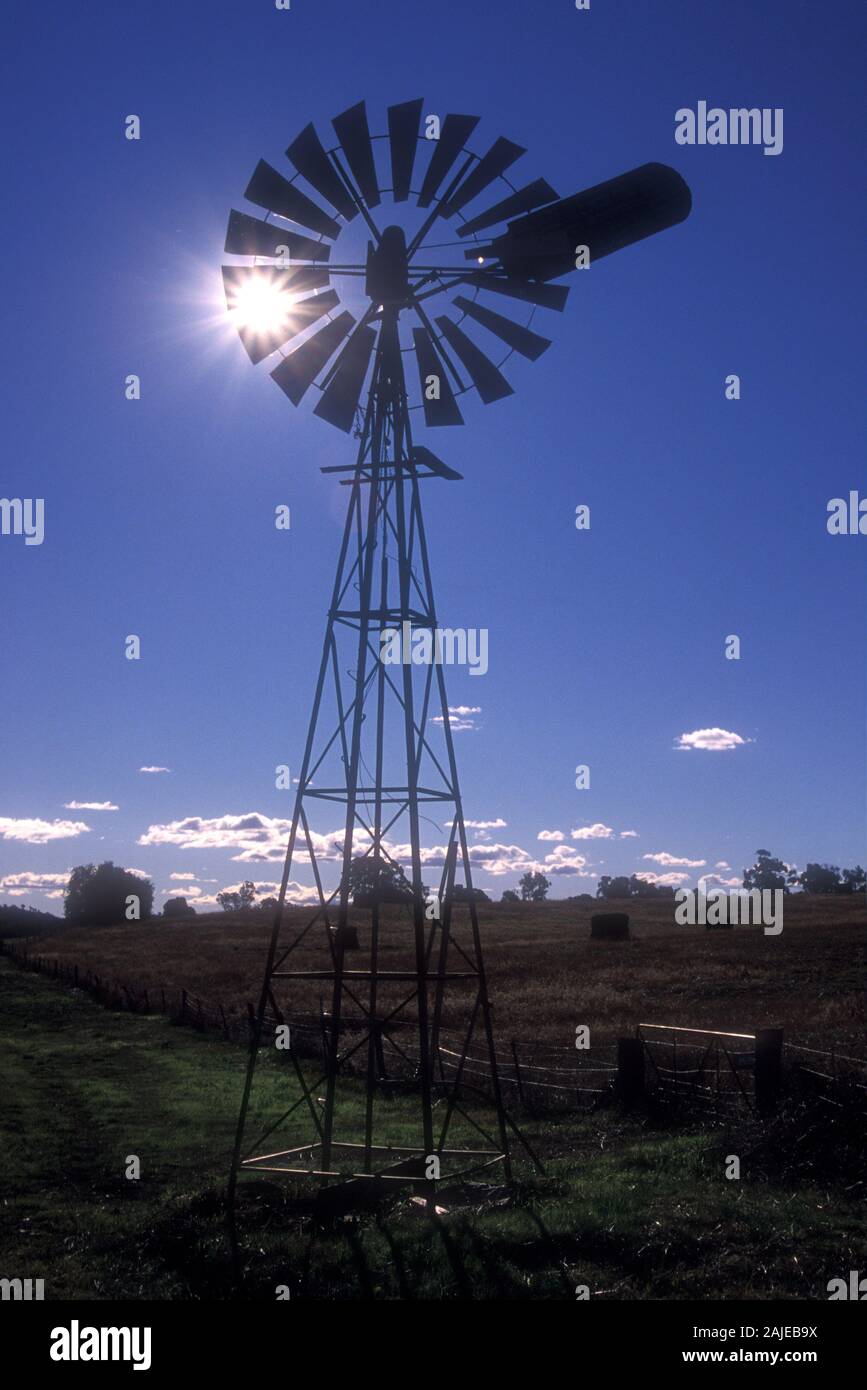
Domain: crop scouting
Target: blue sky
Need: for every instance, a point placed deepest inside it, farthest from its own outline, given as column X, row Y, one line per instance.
column 708, row 516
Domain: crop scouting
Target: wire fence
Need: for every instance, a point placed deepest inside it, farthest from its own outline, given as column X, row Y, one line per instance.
column 712, row 1074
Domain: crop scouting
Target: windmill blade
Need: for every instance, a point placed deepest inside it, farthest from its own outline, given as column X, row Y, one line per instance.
column 260, row 344
column 268, row 189
column 403, row 123
column 236, row 278
column 454, row 134
column 500, row 156
column 488, row 379
column 341, row 395
column 531, row 292
column 295, row 373
column 445, row 410
column 524, row 200
column 308, row 155
column 250, row 236
column 604, row 218
column 523, row 340
column 353, row 133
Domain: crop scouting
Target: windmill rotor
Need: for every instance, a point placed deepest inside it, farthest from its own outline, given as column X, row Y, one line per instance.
column 455, row 299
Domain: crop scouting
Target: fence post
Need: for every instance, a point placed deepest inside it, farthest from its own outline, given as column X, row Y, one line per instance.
column 768, row 1069
column 630, row 1070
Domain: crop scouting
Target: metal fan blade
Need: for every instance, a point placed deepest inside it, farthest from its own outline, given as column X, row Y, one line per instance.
column 308, row 277
column 488, row 379
column 604, row 218
column 250, row 236
column 341, row 395
column 454, row 134
column 403, row 123
column 522, row 339
column 295, row 373
column 260, row 344
column 308, row 155
column 500, row 156
column 546, row 296
column 533, row 196
column 268, row 189
column 445, row 410
column 353, row 133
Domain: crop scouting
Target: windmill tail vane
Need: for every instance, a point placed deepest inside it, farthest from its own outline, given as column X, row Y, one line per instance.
column 395, row 966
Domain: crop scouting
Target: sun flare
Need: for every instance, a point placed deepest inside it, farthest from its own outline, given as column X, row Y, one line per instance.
column 260, row 306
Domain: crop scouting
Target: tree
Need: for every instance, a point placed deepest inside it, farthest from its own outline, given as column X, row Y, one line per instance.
column 510, row 896
column 854, row 880
column 268, row 905
column 770, row 873
column 608, row 887
column 374, row 879
column 239, row 900
column 462, row 894
column 98, row 896
column 178, row 908
column 534, row 887
column 821, row 878
column 633, row 887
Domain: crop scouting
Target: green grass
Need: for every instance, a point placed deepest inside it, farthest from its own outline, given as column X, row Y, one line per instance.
column 631, row 1210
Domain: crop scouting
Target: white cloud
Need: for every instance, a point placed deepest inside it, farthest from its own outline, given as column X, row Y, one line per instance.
column 502, row 859
column 154, row 769
column 40, row 832
column 261, row 839
column 705, row 879
column 497, row 824
column 629, row 834
column 671, row 880
column 593, row 832
column 19, row 885
column 550, row 835
column 564, row 860
column 674, row 861
column 90, row 806
column 714, row 740
column 183, row 878
column 459, row 717
column 722, row 864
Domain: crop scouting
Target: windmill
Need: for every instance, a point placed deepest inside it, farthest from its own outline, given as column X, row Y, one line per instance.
column 412, row 330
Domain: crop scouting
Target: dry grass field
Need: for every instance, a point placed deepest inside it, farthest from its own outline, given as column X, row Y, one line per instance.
column 545, row 974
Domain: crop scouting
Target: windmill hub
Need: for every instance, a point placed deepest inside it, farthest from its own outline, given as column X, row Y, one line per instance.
column 387, row 279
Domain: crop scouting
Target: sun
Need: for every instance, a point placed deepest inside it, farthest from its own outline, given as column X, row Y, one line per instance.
column 260, row 305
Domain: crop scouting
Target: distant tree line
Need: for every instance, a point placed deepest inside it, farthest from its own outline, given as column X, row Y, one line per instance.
column 106, row 894
column 770, row 872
